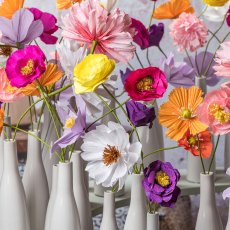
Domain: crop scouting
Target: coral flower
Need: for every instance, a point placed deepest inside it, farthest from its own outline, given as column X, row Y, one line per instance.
column 146, row 84
column 66, row 4
column 215, row 111
column 24, row 66
column 1, row 119
column 172, row 9
column 215, row 2
column 48, row 78
column 91, row 72
column 90, row 22
column 179, row 114
column 9, row 7
column 188, row 32
column 193, row 142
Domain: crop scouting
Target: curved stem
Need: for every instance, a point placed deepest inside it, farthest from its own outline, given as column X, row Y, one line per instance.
column 161, row 50
column 93, row 46
column 213, row 155
column 162, row 149
column 200, row 153
column 139, row 60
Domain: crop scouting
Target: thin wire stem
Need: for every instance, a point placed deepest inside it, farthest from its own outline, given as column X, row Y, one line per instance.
column 214, row 153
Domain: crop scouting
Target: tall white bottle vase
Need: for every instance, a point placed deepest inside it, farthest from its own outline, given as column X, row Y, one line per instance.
column 1, row 154
column 35, row 183
column 13, row 209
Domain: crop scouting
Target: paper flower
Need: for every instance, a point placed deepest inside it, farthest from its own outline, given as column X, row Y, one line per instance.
column 24, row 66
column 172, row 9
column 226, row 192
column 191, row 143
column 9, row 7
column 146, row 84
column 91, row 72
column 21, row 29
column 49, row 23
column 109, row 154
column 90, row 22
column 160, row 183
column 108, row 4
column 216, row 14
column 179, row 113
column 66, row 4
column 215, row 2
column 140, row 114
column 215, row 111
column 222, row 60
column 188, row 32
column 156, row 33
column 1, row 119
column 177, row 73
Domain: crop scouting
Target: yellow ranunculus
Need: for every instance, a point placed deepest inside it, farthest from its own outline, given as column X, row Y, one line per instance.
column 215, row 2
column 91, row 72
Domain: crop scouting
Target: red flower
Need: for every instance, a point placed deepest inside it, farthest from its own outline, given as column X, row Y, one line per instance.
column 146, row 84
column 190, row 142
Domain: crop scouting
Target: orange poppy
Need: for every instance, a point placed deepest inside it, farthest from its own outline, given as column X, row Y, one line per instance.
column 9, row 7
column 179, row 114
column 1, row 119
column 48, row 78
column 172, row 9
column 66, row 4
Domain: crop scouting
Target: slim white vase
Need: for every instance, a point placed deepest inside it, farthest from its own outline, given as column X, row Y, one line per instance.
column 80, row 192
column 1, row 154
column 109, row 218
column 208, row 215
column 35, row 184
column 13, row 210
column 65, row 214
column 153, row 221
column 136, row 218
column 228, row 223
column 53, row 193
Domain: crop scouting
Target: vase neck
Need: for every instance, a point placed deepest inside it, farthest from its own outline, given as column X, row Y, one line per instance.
column 109, row 204
column 8, row 130
column 137, row 192
column 54, row 179
column 202, row 83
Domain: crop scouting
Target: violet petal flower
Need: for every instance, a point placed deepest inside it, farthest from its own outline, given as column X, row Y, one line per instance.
column 156, row 33
column 140, row 114
column 125, row 74
column 226, row 192
column 21, row 29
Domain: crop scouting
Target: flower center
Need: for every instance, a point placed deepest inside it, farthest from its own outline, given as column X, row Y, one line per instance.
column 219, row 113
column 145, row 84
column 111, row 155
column 192, row 141
column 162, row 179
column 186, row 113
column 70, row 123
column 28, row 68
column 6, row 51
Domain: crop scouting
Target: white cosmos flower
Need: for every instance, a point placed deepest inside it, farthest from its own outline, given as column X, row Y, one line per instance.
column 108, row 4
column 110, row 155
column 216, row 14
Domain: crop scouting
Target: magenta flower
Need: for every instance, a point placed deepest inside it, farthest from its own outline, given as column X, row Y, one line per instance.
column 49, row 22
column 24, row 66
column 21, row 29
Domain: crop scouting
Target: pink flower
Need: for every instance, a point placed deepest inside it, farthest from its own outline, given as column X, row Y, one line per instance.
column 215, row 111
column 7, row 92
column 89, row 21
column 222, row 59
column 188, row 32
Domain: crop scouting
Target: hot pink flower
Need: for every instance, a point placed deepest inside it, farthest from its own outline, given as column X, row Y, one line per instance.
column 188, row 32
column 89, row 21
column 222, row 59
column 215, row 111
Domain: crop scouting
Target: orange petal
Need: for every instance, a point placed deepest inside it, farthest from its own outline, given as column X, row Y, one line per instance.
column 31, row 89
column 9, row 7
column 65, row 4
column 1, row 119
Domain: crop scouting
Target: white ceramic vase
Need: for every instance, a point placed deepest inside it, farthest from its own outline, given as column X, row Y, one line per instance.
column 208, row 215
column 153, row 221
column 35, row 184
column 109, row 218
column 80, row 192
column 136, row 218
column 13, row 209
column 228, row 223
column 65, row 214
column 227, row 151
column 1, row 154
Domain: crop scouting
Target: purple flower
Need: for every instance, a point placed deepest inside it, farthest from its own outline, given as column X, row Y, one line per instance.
column 140, row 114
column 125, row 74
column 21, row 29
column 160, row 183
column 156, row 34
column 49, row 22
column 177, row 73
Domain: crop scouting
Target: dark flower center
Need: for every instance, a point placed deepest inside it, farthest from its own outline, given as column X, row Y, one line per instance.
column 111, row 155
column 28, row 68
column 145, row 84
column 6, row 51
column 162, row 178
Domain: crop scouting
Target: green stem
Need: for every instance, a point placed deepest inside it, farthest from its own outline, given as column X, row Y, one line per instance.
column 31, row 115
column 200, row 153
column 161, row 50
column 139, row 60
column 95, row 42
column 161, row 149
column 131, row 67
column 40, row 117
column 203, row 11
column 213, row 155
column 35, row 112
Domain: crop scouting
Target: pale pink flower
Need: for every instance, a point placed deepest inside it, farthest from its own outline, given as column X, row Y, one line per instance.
column 7, row 92
column 89, row 21
column 215, row 110
column 188, row 32
column 222, row 60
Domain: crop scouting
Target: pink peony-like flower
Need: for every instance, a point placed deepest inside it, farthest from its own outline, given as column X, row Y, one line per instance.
column 222, row 60
column 188, row 32
column 89, row 21
column 24, row 66
column 215, row 111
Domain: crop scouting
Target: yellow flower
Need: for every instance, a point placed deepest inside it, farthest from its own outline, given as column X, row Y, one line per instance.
column 91, row 72
column 215, row 2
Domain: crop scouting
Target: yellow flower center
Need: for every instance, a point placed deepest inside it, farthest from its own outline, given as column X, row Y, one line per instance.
column 186, row 113
column 111, row 155
column 70, row 123
column 145, row 84
column 219, row 113
column 28, row 68
column 162, row 179
column 192, row 141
